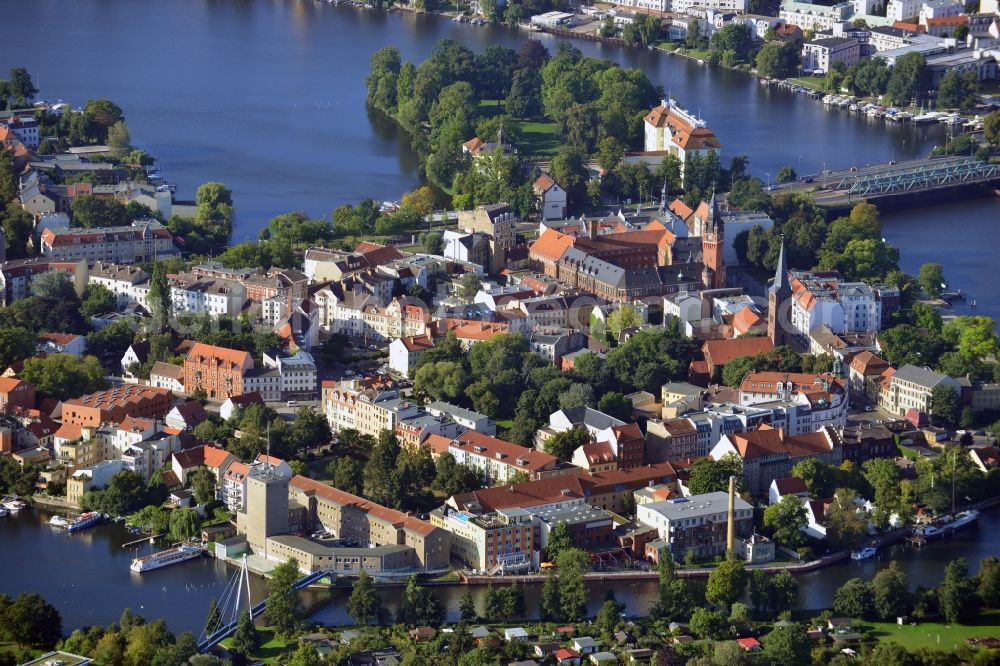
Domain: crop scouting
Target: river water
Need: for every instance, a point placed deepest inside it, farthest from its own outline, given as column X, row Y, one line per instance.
column 86, row 576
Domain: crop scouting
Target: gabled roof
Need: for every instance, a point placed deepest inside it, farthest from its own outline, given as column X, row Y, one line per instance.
column 397, row 518
column 168, row 370
column 551, row 245
column 791, row 485
column 504, row 452
column 522, row 495
column 867, row 363
column 247, row 399
column 766, row 441
column 720, row 352
column 599, row 453
column 192, row 412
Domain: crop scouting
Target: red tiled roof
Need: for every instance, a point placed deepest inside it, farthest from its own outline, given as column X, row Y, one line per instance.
column 69, row 431
column 551, row 245
column 791, row 485
column 521, row 495
column 397, row 518
column 599, row 452
column 768, row 441
column 636, row 477
column 720, row 352
column 505, row 452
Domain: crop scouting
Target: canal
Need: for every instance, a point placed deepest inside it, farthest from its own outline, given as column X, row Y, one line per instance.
column 86, row 576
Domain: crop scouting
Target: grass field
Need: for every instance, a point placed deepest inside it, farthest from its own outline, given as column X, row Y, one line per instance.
column 936, row 635
column 271, row 647
column 538, row 138
column 814, row 82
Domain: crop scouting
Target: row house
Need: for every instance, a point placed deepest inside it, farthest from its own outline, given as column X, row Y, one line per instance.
column 496, row 459
column 192, row 294
column 16, row 276
column 912, row 387
column 823, row 397
column 144, row 240
column 767, row 453
column 120, row 279
column 403, row 317
column 322, row 264
column 218, row 371
column 114, row 404
column 826, row 299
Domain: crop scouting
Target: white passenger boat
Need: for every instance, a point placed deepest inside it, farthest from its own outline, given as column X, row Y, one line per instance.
column 165, row 558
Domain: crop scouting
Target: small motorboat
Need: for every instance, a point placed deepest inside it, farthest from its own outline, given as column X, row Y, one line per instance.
column 862, row 554
column 58, row 521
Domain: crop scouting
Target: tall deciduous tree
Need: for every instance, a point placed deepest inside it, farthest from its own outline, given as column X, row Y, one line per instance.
column 363, row 604
column 245, row 640
column 787, row 518
column 572, row 563
column 283, row 607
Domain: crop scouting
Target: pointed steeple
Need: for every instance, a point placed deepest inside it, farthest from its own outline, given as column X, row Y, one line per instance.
column 714, row 214
column 780, row 286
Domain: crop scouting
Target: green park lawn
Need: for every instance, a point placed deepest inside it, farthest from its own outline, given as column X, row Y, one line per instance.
column 936, row 635
column 271, row 647
column 538, row 138
column 814, row 82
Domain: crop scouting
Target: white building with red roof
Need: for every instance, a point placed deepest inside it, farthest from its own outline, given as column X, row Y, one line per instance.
column 822, row 399
column 404, row 353
column 551, row 198
column 671, row 130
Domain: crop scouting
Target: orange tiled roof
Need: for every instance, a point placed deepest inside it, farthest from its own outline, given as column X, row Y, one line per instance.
column 552, row 245
column 505, row 452
column 680, row 209
column 397, row 518
column 200, row 350
column 720, row 352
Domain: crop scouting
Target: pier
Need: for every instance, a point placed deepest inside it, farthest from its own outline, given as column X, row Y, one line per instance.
column 886, row 183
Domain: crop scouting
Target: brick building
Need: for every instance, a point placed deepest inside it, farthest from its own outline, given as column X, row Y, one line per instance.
column 113, row 405
column 216, row 370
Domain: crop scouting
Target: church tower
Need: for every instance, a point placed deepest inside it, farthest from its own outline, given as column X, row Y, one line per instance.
column 778, row 295
column 713, row 237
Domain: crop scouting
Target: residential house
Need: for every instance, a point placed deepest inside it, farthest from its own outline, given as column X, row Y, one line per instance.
column 186, row 415
column 62, row 343
column 168, row 376
column 217, row 371
column 17, row 275
column 864, row 372
column 119, row 279
column 819, row 55
column 719, row 352
column 236, row 403
column 404, row 353
column 498, row 460
column 767, row 453
column 15, row 395
column 465, row 418
column 672, row 130
column 551, row 198
column 911, row 387
column 823, row 398
column 114, row 404
column 790, row 485
column 143, row 240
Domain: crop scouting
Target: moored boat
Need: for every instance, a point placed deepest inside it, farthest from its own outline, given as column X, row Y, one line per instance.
column 58, row 521
column 165, row 558
column 862, row 554
column 13, row 504
column 85, row 520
